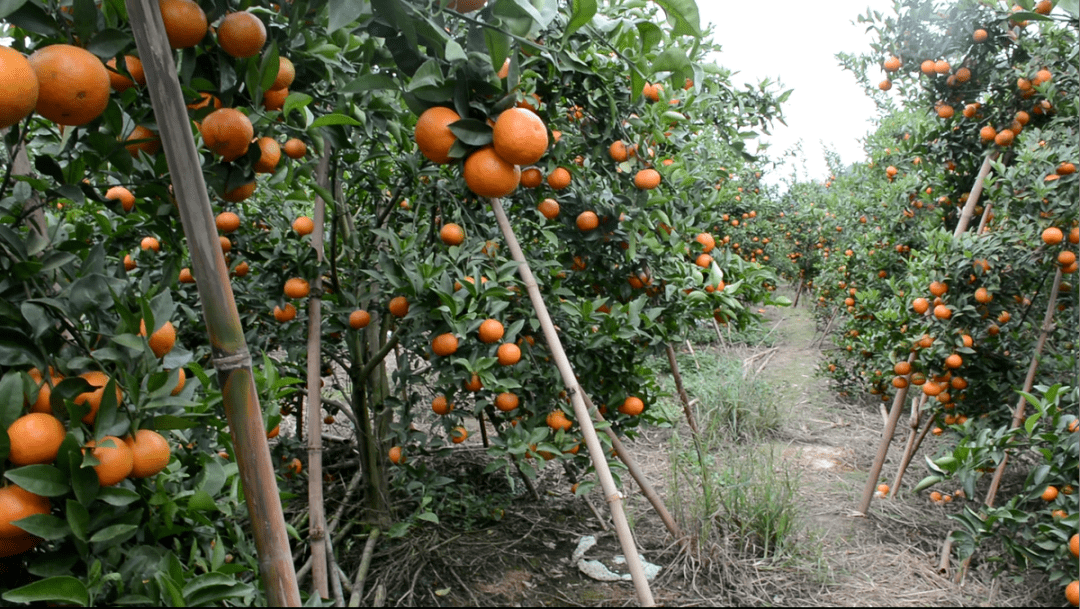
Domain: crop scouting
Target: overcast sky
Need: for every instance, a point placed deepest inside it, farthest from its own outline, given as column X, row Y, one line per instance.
column 796, row 41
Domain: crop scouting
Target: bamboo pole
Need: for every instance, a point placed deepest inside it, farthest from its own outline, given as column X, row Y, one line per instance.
column 317, row 537
column 588, row 431
column 910, row 454
column 987, row 210
column 976, row 192
column 883, row 447
column 231, row 358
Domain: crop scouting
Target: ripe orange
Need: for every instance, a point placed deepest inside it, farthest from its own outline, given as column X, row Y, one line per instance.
column 902, row 368
column 1074, row 545
column 444, row 344
column 35, row 438
column 942, row 312
column 938, row 289
column 506, row 402
column 185, row 22
column 441, row 406
column 1072, row 593
column 179, row 383
column 241, row 34
column 632, row 406
column 459, row 434
column 227, row 221
column 1050, row 493
column 18, row 87
column 945, row 111
column 1065, row 257
column 885, row 85
column 452, row 234
column 432, row 133
column 295, row 149
column 17, row 503
column 93, row 398
column 127, row 200
column 466, row 6
column 473, row 384
column 942, row 66
column 297, row 287
column 44, row 390
column 920, row 305
column 285, row 75
column 980, row 35
column 988, row 134
column 703, row 260
column 149, row 451
column 73, row 84
column 892, row 64
column 150, row 244
column 491, row 330
column 303, row 226
column 559, row 178
column 954, row 361
column 619, row 151
column 652, row 92
column 115, row 461
column 227, row 132
column 205, row 101
column 983, row 296
column 121, row 83
column 1074, row 235
column 275, row 100
column 238, row 194
column 549, row 208
column 509, row 354
column 556, row 419
column 142, row 139
column 647, row 179
column 488, row 175
column 162, row 340
column 707, row 242
column 359, row 319
column 927, row 67
column 186, row 276
column 1004, row 138
column 399, row 306
column 587, row 221
column 397, row 457
column 269, row 157
column 1004, row 317
column 520, row 136
column 531, row 177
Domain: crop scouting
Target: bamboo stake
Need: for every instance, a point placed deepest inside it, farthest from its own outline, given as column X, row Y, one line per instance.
column 231, row 358
column 317, row 537
column 883, row 447
column 596, row 451
column 361, row 573
column 976, row 192
column 910, row 454
column 987, row 210
column 683, row 397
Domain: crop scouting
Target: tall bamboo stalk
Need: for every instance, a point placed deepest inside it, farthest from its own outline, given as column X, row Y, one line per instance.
column 910, row 454
column 232, row 361
column 596, row 450
column 886, row 439
column 316, row 508
column 975, row 194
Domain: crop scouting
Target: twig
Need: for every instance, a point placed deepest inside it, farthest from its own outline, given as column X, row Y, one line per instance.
column 361, row 573
column 764, row 363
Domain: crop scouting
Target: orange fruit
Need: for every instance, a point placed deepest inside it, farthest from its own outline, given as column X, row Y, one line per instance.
column 1074, row 545
column 520, row 136
column 1004, row 317
column 285, row 314
column 473, row 384
column 559, row 178
column 647, row 179
column 632, row 406
column 652, row 92
column 238, row 194
column 1050, row 493
column 920, row 305
column 73, row 84
column 149, row 451
column 297, row 287
column 902, row 368
column 295, row 149
column 983, row 296
column 241, row 34
column 587, row 221
column 285, row 75
column 399, row 306
column 459, row 434
column 927, row 67
column 980, row 35
column 619, row 151
column 988, row 134
column 1065, row 169
column 954, row 361
column 185, row 22
column 549, row 208
column 452, row 234
column 269, row 156
column 205, row 100
column 127, row 200
column 1074, row 235
column 17, row 503
column 942, row 312
column 397, row 457
column 444, row 344
column 506, row 402
column 441, row 406
column 162, row 340
column 892, row 64
column 270, row 435
column 938, row 289
column 18, row 87
column 275, row 100
column 143, row 139
column 703, row 260
column 179, row 383
column 432, row 133
column 509, row 354
column 186, row 276
column 1072, row 593
column 303, row 226
column 227, row 132
column 707, row 242
column 1004, row 138
column 942, row 66
column 488, row 175
column 491, row 330
column 883, row 489
column 466, row 6
column 121, row 83
column 115, row 461
column 1065, row 257
column 945, row 111
column 556, row 419
column 531, row 177
column 44, row 390
column 35, row 438
column 93, row 398
column 227, row 221
column 359, row 319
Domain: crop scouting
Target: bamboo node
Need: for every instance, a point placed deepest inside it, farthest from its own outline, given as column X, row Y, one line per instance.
column 236, row 361
column 315, row 533
column 617, row 496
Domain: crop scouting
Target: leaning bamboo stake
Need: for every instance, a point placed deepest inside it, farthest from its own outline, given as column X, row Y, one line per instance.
column 683, row 397
column 317, row 538
column 1021, row 403
column 987, row 210
column 910, row 454
column 596, row 451
column 883, row 447
column 231, row 358
column 976, row 193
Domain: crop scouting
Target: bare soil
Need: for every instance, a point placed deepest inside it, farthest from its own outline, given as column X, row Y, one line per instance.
column 521, row 554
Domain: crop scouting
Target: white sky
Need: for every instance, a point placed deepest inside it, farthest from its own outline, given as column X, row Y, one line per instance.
column 796, row 41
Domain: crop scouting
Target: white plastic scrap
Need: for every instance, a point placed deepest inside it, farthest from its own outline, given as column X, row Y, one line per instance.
column 599, row 571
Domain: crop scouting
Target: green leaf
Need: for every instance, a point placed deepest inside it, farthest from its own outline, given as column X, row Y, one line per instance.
column 108, row 43
column 1072, row 7
column 295, row 101
column 33, row 18
column 65, row 589
column 45, row 526
column 8, row 7
column 112, row 532
column 342, row 13
column 428, row 75
column 370, row 82
column 927, row 482
column 202, row 501
column 472, row 131
column 11, row 398
column 163, row 422
column 334, row 119
column 581, row 12
column 118, row 496
column 454, row 52
column 78, row 519
column 684, row 14
column 44, row 480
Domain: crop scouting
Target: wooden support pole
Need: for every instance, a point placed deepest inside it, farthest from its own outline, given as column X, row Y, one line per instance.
column 596, row 450
column 913, row 448
column 883, row 447
column 973, row 197
column 231, row 358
